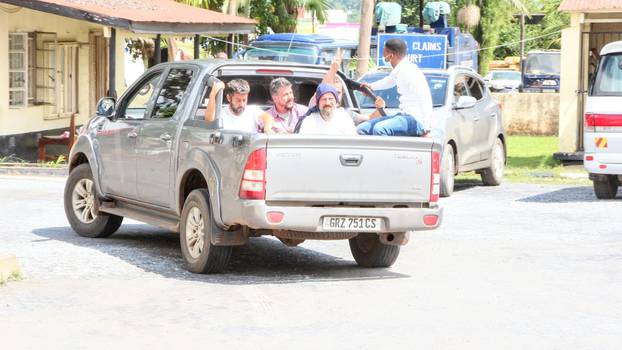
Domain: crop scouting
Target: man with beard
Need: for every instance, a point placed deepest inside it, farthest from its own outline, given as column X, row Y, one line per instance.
column 326, row 118
column 237, row 115
column 285, row 112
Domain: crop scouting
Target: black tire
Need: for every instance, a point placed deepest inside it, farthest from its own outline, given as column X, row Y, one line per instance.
column 207, row 258
column 368, row 251
column 606, row 189
column 493, row 175
column 92, row 223
column 448, row 171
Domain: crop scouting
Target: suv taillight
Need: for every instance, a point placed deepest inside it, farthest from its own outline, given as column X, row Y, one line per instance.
column 589, row 121
column 435, row 181
column 253, row 185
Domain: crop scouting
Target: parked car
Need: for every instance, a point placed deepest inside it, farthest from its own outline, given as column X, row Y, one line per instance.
column 541, row 71
column 466, row 120
column 151, row 156
column 602, row 136
column 503, row 80
column 301, row 48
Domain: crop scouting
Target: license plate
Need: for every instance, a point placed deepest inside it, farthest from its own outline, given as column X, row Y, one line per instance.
column 549, row 83
column 345, row 223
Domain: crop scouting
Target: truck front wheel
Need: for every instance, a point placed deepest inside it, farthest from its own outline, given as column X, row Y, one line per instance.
column 81, row 206
column 606, row 188
column 368, row 251
column 197, row 228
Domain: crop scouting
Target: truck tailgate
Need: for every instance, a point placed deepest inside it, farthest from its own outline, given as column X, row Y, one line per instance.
column 348, row 169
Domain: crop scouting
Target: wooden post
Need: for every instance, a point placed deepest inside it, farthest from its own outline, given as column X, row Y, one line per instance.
column 197, row 46
column 367, row 16
column 112, row 58
column 157, row 55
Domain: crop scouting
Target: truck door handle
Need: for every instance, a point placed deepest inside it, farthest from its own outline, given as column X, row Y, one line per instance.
column 165, row 137
column 216, row 138
column 351, row 159
column 475, row 118
column 493, row 115
column 132, row 135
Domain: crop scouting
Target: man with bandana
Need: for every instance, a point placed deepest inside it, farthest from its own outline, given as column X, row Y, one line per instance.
column 326, row 118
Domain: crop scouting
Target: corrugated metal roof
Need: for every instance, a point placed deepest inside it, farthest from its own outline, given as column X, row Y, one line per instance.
column 590, row 5
column 139, row 14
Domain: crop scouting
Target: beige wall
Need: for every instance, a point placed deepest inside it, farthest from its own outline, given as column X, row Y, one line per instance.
column 530, row 114
column 569, row 83
column 33, row 119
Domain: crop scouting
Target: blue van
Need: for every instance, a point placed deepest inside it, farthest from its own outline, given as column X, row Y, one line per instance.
column 301, row 48
column 541, row 71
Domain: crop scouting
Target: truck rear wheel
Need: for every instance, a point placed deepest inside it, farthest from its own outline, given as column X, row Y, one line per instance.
column 81, row 205
column 197, row 228
column 607, row 188
column 368, row 251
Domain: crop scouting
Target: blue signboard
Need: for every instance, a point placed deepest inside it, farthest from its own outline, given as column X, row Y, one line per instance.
column 426, row 50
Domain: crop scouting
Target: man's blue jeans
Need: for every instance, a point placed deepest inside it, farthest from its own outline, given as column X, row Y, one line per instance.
column 392, row 125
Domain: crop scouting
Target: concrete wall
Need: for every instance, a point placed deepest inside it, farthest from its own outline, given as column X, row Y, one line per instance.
column 530, row 114
column 33, row 119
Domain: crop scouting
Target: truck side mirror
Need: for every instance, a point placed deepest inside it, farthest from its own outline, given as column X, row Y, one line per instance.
column 105, row 107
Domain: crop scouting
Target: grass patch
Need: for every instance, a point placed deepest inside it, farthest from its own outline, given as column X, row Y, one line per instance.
column 530, row 160
column 15, row 276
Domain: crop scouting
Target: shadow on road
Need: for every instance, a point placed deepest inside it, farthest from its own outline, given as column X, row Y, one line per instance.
column 261, row 261
column 465, row 184
column 565, row 195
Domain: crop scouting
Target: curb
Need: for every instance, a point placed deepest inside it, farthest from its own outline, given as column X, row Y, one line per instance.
column 33, row 170
column 9, row 268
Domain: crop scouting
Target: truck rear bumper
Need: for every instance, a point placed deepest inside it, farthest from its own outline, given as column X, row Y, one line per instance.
column 594, row 166
column 310, row 219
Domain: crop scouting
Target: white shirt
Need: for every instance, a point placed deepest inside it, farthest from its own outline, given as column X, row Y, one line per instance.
column 248, row 121
column 412, row 86
column 339, row 124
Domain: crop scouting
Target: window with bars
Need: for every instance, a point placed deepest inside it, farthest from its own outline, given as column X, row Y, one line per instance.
column 43, row 71
column 18, row 70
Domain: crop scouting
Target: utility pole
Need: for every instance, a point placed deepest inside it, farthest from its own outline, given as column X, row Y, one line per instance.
column 522, row 38
column 421, row 14
column 367, row 16
column 233, row 11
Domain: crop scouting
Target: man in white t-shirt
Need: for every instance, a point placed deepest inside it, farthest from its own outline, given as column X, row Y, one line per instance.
column 237, row 115
column 326, row 118
column 415, row 115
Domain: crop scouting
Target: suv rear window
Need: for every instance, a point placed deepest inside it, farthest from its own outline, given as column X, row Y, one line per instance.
column 609, row 76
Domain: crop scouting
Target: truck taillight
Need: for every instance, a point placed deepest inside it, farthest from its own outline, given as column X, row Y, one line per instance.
column 594, row 120
column 253, row 185
column 435, row 181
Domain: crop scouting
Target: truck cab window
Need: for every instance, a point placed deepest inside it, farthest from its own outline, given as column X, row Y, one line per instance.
column 137, row 105
column 172, row 92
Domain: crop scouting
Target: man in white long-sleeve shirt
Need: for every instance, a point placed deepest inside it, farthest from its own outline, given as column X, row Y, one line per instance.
column 414, row 118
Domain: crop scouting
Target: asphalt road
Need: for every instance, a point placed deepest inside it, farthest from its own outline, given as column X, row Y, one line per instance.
column 513, row 267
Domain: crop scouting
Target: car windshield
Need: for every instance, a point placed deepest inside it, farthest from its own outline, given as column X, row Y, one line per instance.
column 609, row 76
column 506, row 75
column 542, row 63
column 307, row 55
column 436, row 82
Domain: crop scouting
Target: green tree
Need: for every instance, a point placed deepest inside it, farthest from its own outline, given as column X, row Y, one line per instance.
column 318, row 10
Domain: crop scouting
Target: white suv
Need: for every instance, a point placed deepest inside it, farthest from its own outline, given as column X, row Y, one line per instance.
column 603, row 124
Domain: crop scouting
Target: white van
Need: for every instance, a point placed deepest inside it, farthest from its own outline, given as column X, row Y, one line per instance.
column 602, row 136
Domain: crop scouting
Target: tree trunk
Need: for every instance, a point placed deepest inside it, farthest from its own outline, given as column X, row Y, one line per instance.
column 367, row 16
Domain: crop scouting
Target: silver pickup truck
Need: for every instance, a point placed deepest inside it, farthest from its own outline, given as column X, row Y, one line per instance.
column 152, row 157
